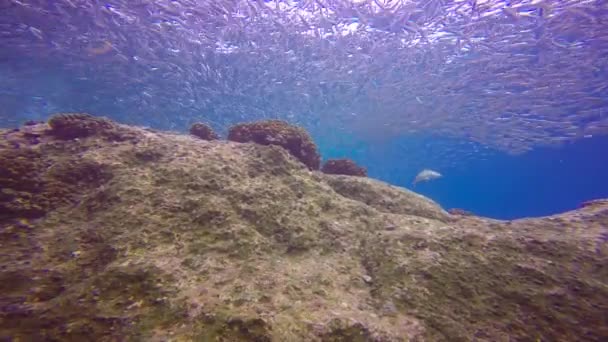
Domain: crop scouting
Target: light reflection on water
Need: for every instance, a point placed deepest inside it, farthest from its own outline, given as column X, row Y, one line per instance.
column 508, row 74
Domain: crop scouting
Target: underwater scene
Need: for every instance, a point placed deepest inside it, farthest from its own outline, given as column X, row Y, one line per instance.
column 315, row 170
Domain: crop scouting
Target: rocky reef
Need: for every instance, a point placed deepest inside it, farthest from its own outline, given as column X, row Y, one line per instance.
column 276, row 132
column 111, row 232
column 203, row 131
column 343, row 167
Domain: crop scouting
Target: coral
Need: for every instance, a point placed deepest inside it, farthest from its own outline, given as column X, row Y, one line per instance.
column 203, row 131
column 276, row 132
column 69, row 126
column 343, row 167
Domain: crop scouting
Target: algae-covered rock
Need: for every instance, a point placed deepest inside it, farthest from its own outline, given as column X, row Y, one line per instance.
column 343, row 167
column 77, row 125
column 36, row 178
column 386, row 198
column 203, row 131
column 276, row 132
column 459, row 212
column 68, row 126
column 167, row 237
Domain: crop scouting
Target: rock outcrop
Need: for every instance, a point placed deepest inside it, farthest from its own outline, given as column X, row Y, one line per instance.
column 280, row 133
column 343, row 167
column 111, row 232
column 203, row 131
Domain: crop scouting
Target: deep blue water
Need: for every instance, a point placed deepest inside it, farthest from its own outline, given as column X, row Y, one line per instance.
column 541, row 182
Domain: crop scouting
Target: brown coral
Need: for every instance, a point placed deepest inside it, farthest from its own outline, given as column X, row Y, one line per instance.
column 276, row 132
column 460, row 212
column 203, row 131
column 69, row 126
column 343, row 167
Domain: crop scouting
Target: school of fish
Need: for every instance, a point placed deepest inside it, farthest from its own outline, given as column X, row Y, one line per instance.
column 510, row 75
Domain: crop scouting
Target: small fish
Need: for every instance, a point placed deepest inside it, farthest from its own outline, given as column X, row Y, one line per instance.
column 36, row 32
column 100, row 50
column 426, row 175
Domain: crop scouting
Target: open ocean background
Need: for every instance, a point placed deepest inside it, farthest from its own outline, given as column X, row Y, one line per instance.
column 541, row 182
column 507, row 99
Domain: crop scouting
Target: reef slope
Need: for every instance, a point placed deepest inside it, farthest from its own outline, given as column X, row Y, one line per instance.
column 111, row 232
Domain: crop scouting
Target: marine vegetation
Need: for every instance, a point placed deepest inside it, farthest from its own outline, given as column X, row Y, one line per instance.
column 343, row 167
column 78, row 125
column 159, row 236
column 276, row 132
column 203, row 131
column 67, row 126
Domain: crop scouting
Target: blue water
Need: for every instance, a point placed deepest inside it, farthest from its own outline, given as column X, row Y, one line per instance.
column 542, row 182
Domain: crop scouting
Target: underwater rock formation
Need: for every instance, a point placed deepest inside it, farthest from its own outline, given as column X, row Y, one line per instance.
column 167, row 237
column 203, row 131
column 276, row 132
column 343, row 167
column 77, row 125
column 460, row 212
column 68, row 126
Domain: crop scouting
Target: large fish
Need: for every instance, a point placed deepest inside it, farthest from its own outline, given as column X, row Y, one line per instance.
column 426, row 175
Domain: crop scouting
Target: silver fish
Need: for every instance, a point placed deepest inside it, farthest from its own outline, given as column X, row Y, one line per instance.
column 425, row 176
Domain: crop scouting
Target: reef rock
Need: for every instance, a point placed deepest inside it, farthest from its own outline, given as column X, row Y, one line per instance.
column 203, row 131
column 162, row 237
column 343, row 167
column 276, row 132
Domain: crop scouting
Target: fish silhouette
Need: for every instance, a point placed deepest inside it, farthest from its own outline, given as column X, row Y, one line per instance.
column 426, row 175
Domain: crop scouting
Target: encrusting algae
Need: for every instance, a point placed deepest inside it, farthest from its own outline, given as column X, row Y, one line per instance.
column 111, row 232
column 203, row 131
column 276, row 132
column 343, row 167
